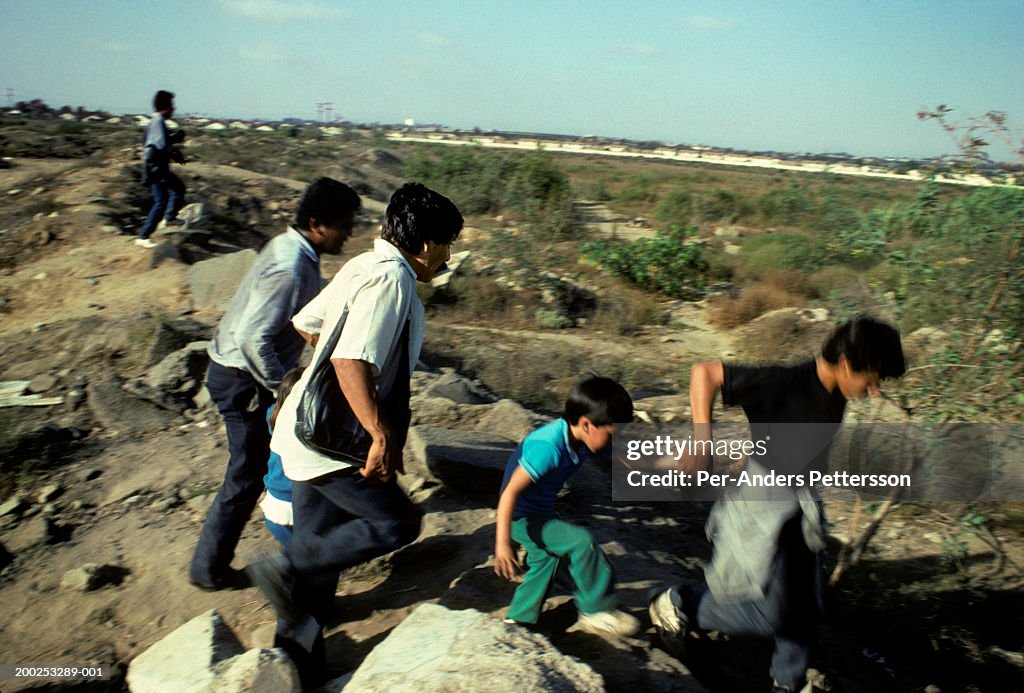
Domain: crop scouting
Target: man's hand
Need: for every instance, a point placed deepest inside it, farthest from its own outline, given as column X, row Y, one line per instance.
column 377, row 460
column 505, row 563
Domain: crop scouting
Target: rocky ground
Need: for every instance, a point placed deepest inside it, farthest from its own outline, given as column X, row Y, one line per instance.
column 106, row 489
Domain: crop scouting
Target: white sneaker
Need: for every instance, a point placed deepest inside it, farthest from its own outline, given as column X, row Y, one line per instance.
column 611, row 622
column 145, row 243
column 666, row 610
column 166, row 224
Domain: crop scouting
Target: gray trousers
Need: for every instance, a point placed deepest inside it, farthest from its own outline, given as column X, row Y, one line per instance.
column 788, row 612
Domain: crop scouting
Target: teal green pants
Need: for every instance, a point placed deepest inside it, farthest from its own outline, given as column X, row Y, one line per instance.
column 548, row 541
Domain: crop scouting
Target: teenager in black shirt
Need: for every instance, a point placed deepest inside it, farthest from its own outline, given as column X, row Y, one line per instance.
column 765, row 578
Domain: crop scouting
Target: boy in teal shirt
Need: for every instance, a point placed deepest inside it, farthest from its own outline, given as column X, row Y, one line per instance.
column 535, row 474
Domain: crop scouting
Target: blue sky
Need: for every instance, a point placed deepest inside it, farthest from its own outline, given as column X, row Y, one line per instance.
column 801, row 76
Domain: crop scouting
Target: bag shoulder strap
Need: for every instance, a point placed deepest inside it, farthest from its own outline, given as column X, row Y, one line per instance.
column 332, row 340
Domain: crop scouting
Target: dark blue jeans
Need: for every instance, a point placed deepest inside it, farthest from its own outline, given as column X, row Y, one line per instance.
column 788, row 612
column 172, row 187
column 341, row 520
column 243, row 403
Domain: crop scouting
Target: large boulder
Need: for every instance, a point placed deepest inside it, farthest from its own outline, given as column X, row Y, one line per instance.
column 205, row 656
column 925, row 343
column 213, row 282
column 509, row 419
column 172, row 382
column 172, row 335
column 185, row 659
column 436, row 649
column 469, row 462
column 116, row 410
column 458, row 389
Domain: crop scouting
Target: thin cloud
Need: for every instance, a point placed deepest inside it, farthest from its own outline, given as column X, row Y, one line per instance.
column 113, row 46
column 641, row 49
column 283, row 10
column 703, row 21
column 268, row 53
column 434, row 40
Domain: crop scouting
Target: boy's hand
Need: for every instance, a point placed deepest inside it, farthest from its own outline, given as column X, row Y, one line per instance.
column 505, row 563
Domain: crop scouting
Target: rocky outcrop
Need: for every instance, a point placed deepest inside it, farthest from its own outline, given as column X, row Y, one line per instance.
column 205, row 656
column 213, row 282
column 472, row 463
column 436, row 649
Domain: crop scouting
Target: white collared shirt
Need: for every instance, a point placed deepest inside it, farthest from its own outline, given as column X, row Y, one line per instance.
column 380, row 289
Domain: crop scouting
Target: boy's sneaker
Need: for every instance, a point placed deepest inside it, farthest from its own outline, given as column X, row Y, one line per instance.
column 170, row 224
column 666, row 610
column 145, row 243
column 611, row 622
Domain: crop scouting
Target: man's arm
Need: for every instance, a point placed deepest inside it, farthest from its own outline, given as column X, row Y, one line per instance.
column 311, row 339
column 356, row 380
column 505, row 563
column 267, row 314
column 706, row 379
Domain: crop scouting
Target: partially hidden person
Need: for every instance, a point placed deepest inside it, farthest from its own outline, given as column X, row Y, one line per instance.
column 277, row 501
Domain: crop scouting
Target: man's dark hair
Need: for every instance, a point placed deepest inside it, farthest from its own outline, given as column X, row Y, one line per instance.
column 416, row 214
column 162, row 101
column 869, row 345
column 327, row 201
column 602, row 400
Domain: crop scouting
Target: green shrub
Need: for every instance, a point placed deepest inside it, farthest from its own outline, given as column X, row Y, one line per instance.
column 641, row 190
column 789, row 205
column 70, row 128
column 530, row 186
column 676, row 208
column 720, row 206
column 768, row 252
column 553, row 320
column 667, row 263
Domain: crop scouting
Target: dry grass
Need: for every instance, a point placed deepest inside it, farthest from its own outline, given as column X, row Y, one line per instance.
column 781, row 290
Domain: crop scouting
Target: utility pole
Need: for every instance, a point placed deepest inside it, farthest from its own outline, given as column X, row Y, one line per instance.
column 329, row 111
column 10, row 96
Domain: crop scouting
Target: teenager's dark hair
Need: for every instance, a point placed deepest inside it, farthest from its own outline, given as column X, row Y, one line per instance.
column 416, row 214
column 327, row 201
column 869, row 345
column 602, row 400
column 162, row 101
column 287, row 383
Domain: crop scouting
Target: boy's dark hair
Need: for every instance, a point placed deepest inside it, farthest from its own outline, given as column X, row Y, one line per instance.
column 869, row 345
column 287, row 383
column 416, row 214
column 327, row 201
column 162, row 100
column 602, row 400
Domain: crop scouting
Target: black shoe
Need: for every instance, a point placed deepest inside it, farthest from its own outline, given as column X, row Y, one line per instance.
column 230, row 579
column 273, row 576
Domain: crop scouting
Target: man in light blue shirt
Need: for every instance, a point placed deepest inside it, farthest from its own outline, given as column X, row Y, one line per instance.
column 254, row 347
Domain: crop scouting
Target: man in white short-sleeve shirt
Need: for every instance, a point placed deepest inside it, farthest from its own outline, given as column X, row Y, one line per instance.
column 348, row 514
